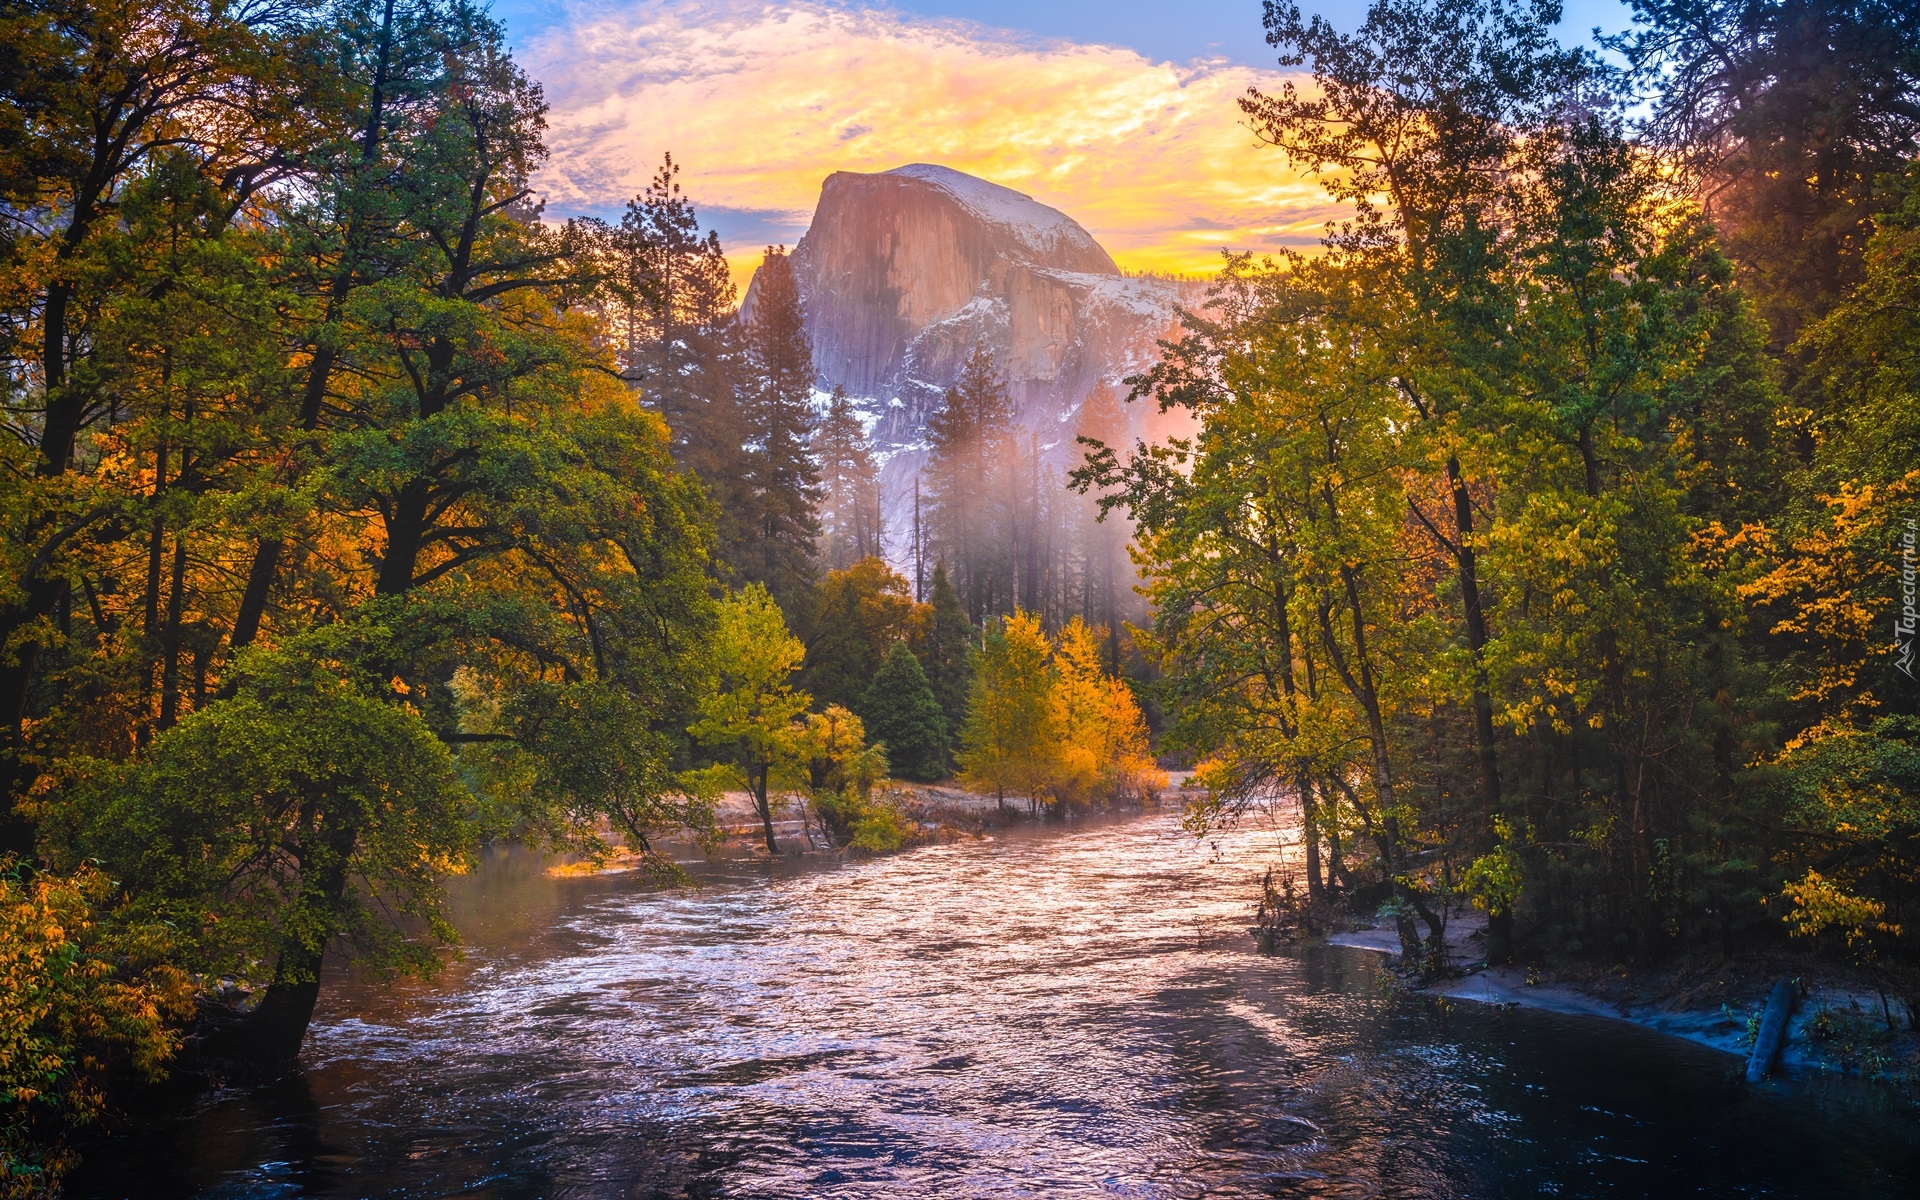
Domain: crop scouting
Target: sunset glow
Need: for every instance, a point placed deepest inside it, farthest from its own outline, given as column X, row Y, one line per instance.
column 760, row 103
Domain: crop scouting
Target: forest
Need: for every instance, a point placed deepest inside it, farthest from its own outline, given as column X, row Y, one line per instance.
column 358, row 516
column 1545, row 541
column 1549, row 536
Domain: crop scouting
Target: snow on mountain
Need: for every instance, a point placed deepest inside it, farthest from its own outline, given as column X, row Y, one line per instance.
column 903, row 272
column 1041, row 228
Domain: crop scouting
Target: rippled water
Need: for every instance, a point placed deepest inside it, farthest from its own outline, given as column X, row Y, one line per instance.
column 1071, row 1012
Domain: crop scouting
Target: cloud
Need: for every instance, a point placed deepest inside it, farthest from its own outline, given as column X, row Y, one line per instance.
column 759, row 103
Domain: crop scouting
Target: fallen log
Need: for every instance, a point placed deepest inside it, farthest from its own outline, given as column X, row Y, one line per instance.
column 1773, row 1032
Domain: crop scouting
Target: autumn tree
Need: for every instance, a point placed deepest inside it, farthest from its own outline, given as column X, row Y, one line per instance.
column 360, row 440
column 861, row 612
column 1104, row 755
column 751, row 711
column 1008, row 744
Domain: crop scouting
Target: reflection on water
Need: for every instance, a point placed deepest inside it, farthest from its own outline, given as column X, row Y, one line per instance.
column 1066, row 1013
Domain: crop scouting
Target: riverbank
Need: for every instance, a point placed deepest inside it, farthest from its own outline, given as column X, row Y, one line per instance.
column 935, row 814
column 1838, row 1024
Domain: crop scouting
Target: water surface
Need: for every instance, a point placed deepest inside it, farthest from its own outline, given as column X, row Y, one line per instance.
column 1071, row 1012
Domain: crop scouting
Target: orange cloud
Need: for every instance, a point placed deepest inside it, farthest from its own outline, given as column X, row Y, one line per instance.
column 760, row 103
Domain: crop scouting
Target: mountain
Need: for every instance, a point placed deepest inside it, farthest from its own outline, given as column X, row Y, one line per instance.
column 903, row 271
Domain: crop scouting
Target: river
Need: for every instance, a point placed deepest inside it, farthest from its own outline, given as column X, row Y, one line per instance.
column 1067, row 1012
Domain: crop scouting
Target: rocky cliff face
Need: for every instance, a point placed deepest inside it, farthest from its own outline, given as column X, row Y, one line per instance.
column 903, row 271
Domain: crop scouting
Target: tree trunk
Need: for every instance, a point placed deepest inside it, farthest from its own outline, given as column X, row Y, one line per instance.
column 267, row 1041
column 766, row 809
column 1310, row 834
column 406, row 526
column 170, row 637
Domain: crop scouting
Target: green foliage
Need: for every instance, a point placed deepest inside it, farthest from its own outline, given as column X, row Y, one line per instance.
column 780, row 480
column 1048, row 722
column 851, row 523
column 330, row 545
column 880, row 827
column 946, row 648
column 309, row 806
column 1007, row 744
column 750, row 710
column 860, row 612
column 901, row 713
column 1494, row 879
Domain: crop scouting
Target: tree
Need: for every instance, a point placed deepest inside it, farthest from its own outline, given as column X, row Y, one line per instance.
column 751, row 709
column 946, row 645
column 1104, row 753
column 1100, row 425
column 301, row 810
column 842, row 769
column 781, row 482
column 850, row 520
column 669, row 310
column 860, row 613
column 87, row 998
column 902, row 715
column 99, row 100
column 368, row 435
column 970, row 446
column 1010, row 738
column 1786, row 115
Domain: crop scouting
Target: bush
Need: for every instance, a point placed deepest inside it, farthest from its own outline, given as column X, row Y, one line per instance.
column 79, row 997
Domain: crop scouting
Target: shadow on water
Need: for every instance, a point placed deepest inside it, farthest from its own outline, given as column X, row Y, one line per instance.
column 1072, row 1012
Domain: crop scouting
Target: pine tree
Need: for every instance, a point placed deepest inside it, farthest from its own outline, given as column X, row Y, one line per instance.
column 1103, row 537
column 671, row 314
column 970, row 446
column 946, row 651
column 902, row 714
column 850, row 528
column 782, row 486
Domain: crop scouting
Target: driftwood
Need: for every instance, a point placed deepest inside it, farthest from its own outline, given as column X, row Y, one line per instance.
column 1773, row 1032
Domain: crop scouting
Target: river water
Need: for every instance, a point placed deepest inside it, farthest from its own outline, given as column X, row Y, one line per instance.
column 1071, row 1012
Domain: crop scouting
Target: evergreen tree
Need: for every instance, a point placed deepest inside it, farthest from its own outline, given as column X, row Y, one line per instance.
column 670, row 315
column 971, row 445
column 902, row 714
column 1790, row 116
column 781, row 483
column 946, row 651
column 850, row 524
column 1103, row 536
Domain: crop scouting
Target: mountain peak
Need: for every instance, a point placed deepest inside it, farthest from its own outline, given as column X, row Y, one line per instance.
column 1038, row 226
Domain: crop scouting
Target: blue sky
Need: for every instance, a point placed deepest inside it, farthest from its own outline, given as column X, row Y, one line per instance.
column 1180, row 30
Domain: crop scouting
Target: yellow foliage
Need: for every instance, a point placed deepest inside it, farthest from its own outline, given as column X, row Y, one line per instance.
column 1047, row 718
column 74, row 996
column 1824, row 583
column 1103, row 750
column 1819, row 905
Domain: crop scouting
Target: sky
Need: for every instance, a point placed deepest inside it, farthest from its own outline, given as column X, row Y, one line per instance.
column 1119, row 113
